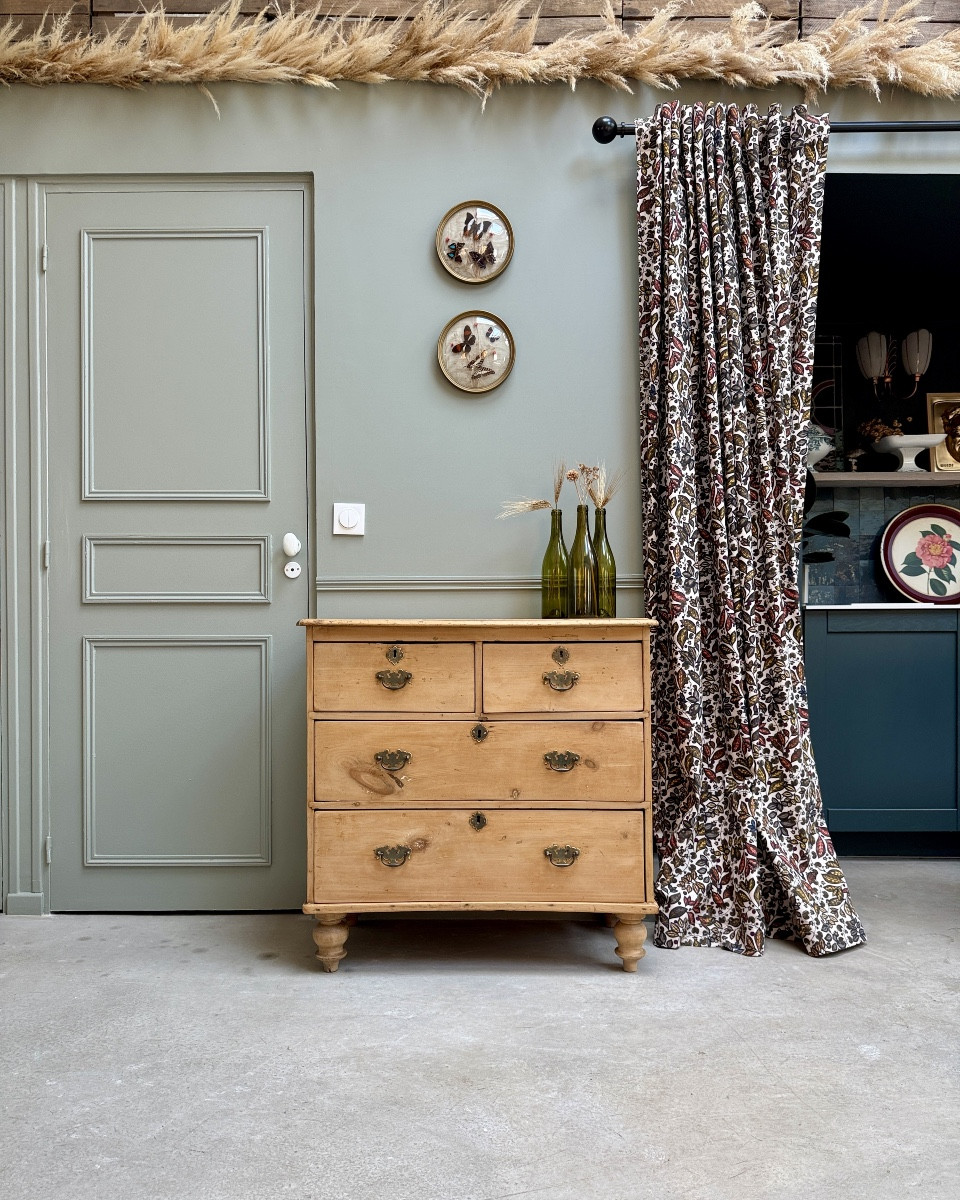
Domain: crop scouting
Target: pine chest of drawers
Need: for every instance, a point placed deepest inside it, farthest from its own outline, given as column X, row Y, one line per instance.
column 478, row 765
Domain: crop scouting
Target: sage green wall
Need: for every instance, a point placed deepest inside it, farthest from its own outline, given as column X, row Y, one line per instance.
column 433, row 464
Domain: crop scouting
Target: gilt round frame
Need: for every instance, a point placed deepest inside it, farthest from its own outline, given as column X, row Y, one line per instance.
column 475, row 241
column 476, row 351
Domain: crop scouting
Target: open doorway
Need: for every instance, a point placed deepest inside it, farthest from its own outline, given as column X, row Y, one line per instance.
column 890, row 262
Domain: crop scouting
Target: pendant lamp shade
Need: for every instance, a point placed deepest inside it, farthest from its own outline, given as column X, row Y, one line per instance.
column 917, row 348
column 872, row 355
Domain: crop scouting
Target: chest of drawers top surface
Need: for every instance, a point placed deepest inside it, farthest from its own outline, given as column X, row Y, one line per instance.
column 368, row 628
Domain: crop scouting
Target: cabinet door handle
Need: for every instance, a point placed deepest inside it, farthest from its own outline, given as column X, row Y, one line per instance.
column 393, row 681
column 562, row 856
column 561, row 760
column 393, row 856
column 561, row 681
column 392, row 760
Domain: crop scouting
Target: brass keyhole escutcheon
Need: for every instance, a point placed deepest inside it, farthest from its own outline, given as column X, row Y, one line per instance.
column 561, row 655
column 394, row 655
column 478, row 820
column 479, row 733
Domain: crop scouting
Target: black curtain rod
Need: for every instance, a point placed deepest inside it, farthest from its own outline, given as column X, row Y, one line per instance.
column 605, row 129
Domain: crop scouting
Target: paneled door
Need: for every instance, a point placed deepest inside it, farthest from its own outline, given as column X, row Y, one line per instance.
column 174, row 348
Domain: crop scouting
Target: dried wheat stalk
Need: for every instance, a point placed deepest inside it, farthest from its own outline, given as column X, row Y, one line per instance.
column 601, row 487
column 512, row 508
column 481, row 53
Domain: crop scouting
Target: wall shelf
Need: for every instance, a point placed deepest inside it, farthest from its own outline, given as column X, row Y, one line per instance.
column 918, row 480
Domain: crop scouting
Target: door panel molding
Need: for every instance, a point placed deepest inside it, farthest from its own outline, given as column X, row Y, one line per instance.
column 92, row 751
column 258, row 592
column 90, row 240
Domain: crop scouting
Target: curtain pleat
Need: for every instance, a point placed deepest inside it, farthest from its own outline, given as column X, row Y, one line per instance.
column 729, row 207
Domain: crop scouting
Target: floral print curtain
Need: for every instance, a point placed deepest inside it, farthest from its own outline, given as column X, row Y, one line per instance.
column 729, row 206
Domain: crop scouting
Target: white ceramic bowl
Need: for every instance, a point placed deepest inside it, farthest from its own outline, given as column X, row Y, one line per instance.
column 906, row 446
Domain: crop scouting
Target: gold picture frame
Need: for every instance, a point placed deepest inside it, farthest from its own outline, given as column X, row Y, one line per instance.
column 476, row 351
column 475, row 241
column 940, row 405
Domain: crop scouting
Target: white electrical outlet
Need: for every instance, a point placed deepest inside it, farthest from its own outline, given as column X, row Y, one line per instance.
column 349, row 519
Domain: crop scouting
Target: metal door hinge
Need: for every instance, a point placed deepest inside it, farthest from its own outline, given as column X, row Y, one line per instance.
column 43, row 257
column 46, row 556
column 48, row 850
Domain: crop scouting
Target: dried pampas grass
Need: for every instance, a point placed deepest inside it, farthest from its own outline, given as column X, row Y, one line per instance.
column 481, row 53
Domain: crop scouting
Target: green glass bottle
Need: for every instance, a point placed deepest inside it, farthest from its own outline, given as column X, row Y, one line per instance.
column 583, row 570
column 553, row 577
column 606, row 567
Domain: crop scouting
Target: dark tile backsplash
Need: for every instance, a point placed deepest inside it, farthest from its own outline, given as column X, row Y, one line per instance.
column 856, row 575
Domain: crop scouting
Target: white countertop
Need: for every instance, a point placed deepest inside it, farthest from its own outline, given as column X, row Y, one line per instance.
column 889, row 604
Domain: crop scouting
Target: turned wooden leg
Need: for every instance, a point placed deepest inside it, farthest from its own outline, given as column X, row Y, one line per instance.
column 630, row 933
column 330, row 935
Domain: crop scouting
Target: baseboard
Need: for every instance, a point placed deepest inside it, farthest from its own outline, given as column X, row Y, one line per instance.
column 24, row 904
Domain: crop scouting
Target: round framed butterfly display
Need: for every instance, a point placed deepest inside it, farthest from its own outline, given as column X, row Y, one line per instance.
column 475, row 241
column 475, row 351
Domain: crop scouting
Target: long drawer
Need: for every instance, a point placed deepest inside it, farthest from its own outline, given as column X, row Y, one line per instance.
column 385, row 677
column 573, row 677
column 424, row 855
column 372, row 763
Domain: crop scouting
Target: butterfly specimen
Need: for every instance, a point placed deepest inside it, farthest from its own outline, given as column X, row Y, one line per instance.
column 468, row 340
column 483, row 257
column 475, row 351
column 474, row 228
column 453, row 251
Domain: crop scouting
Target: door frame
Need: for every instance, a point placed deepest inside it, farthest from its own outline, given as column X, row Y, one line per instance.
column 25, row 737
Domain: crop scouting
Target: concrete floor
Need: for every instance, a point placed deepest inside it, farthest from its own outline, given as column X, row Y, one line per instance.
column 205, row 1057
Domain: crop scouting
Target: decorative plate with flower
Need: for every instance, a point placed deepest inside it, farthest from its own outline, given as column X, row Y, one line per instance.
column 920, row 552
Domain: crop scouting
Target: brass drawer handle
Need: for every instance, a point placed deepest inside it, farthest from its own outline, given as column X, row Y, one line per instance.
column 393, row 856
column 393, row 681
column 561, row 681
column 561, row 760
column 562, row 856
column 392, row 760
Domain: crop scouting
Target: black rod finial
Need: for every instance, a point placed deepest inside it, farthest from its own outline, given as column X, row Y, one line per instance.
column 605, row 129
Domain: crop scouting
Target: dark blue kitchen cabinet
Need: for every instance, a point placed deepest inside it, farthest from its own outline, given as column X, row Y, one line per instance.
column 884, row 692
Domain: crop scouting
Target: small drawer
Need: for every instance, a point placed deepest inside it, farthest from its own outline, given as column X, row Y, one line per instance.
column 563, row 677
column 384, row 677
column 425, row 855
column 375, row 763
